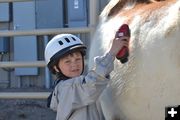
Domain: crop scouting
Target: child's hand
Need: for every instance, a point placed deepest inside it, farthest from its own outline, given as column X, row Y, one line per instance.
column 117, row 44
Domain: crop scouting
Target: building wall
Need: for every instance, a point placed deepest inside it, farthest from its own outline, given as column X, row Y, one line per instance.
column 9, row 78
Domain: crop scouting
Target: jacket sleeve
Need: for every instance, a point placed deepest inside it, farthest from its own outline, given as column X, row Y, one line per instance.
column 104, row 64
column 88, row 90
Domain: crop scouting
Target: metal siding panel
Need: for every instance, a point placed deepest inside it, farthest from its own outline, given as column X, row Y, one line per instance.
column 77, row 13
column 25, row 47
column 24, row 15
column 49, row 13
column 4, row 16
column 4, row 45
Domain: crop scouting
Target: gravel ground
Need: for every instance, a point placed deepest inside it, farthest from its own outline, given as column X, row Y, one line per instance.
column 25, row 110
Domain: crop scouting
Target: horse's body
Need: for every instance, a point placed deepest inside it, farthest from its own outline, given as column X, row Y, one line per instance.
column 150, row 81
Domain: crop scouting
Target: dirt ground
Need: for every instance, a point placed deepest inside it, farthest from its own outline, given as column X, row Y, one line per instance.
column 25, row 110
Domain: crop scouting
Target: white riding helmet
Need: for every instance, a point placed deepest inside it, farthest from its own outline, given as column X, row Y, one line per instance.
column 60, row 45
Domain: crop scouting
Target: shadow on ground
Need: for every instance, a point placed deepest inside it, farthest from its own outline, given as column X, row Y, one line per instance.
column 25, row 110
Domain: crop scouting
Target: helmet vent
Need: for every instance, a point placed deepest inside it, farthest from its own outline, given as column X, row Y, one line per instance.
column 60, row 42
column 73, row 38
column 67, row 40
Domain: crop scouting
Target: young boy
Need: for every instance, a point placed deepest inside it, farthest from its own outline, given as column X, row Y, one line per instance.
column 75, row 95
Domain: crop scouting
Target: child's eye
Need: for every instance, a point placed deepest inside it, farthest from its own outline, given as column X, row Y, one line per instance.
column 67, row 61
column 78, row 59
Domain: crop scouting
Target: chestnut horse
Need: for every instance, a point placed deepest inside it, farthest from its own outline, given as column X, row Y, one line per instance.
column 150, row 81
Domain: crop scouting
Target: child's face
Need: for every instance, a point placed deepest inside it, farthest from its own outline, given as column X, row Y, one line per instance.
column 71, row 65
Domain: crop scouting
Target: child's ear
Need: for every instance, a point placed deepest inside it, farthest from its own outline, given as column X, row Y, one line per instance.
column 55, row 68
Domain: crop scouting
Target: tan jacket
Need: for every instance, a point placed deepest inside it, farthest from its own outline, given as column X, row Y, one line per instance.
column 76, row 98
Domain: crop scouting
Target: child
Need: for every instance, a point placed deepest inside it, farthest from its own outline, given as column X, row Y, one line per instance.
column 75, row 95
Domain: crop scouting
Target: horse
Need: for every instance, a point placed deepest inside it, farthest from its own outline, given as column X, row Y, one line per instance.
column 143, row 87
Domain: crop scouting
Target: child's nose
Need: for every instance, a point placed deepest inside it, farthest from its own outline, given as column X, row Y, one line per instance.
column 74, row 63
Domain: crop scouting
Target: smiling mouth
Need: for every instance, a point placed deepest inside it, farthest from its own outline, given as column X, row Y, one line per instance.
column 77, row 70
